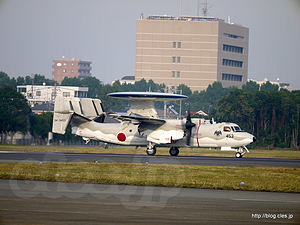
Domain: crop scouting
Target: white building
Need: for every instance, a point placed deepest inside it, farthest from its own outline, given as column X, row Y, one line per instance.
column 281, row 85
column 38, row 94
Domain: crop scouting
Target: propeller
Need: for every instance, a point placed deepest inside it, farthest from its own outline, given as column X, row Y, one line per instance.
column 189, row 126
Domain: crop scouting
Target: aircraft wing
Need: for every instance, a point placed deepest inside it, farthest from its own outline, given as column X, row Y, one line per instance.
column 158, row 131
column 140, row 119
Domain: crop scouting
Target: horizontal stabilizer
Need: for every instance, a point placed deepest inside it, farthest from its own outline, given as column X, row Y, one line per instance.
column 79, row 110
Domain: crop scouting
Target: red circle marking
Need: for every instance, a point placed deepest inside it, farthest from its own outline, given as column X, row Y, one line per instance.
column 121, row 136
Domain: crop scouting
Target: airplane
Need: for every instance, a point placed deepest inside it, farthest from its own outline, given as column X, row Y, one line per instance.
column 141, row 125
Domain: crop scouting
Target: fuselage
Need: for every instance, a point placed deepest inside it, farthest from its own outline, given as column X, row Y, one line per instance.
column 204, row 134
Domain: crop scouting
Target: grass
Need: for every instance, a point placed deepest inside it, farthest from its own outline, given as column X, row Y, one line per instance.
column 256, row 178
column 255, row 153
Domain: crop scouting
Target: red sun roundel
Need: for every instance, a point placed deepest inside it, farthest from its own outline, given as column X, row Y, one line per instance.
column 121, row 136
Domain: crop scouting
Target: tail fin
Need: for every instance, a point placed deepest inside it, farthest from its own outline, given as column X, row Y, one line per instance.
column 64, row 109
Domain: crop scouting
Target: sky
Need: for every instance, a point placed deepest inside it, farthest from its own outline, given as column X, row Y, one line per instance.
column 35, row 32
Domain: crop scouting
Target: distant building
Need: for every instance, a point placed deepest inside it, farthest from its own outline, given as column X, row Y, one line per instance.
column 38, row 94
column 71, row 68
column 127, row 80
column 282, row 85
column 191, row 50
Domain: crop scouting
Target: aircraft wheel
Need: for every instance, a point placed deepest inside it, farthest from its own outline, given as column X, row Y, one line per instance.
column 238, row 155
column 174, row 151
column 151, row 151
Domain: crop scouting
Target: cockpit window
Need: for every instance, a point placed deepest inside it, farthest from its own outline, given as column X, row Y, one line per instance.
column 227, row 129
column 236, row 128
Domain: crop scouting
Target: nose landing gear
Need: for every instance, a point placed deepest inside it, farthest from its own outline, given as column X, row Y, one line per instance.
column 241, row 151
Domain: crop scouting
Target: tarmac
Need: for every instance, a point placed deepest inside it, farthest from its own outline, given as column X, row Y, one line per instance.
column 14, row 156
column 42, row 202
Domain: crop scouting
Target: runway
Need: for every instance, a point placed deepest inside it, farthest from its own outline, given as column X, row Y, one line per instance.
column 44, row 202
column 41, row 202
column 12, row 156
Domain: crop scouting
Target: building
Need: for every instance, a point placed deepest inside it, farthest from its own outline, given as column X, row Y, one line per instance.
column 191, row 50
column 70, row 68
column 282, row 85
column 127, row 80
column 38, row 94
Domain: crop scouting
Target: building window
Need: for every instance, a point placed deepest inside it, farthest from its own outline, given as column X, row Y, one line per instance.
column 38, row 93
column 64, row 71
column 176, row 44
column 22, row 90
column 175, row 73
column 176, row 59
column 233, row 63
column 80, row 94
column 232, row 77
column 233, row 36
column 66, row 94
column 232, row 48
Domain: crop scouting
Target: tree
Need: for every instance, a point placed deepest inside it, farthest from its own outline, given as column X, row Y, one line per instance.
column 273, row 116
column 41, row 125
column 185, row 89
column 207, row 100
column 4, row 80
column 237, row 106
column 13, row 111
column 111, row 104
column 39, row 79
column 141, row 85
column 20, row 80
column 28, row 80
column 251, row 86
column 269, row 87
column 72, row 81
column 93, row 84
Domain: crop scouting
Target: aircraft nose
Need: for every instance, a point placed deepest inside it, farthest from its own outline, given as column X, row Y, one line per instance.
column 254, row 139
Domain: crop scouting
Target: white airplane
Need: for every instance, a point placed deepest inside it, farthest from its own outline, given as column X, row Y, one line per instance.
column 142, row 127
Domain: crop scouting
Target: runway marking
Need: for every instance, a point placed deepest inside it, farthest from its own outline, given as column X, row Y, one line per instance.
column 261, row 200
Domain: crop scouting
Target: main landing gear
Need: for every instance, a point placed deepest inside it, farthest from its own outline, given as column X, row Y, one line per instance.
column 174, row 151
column 151, row 150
